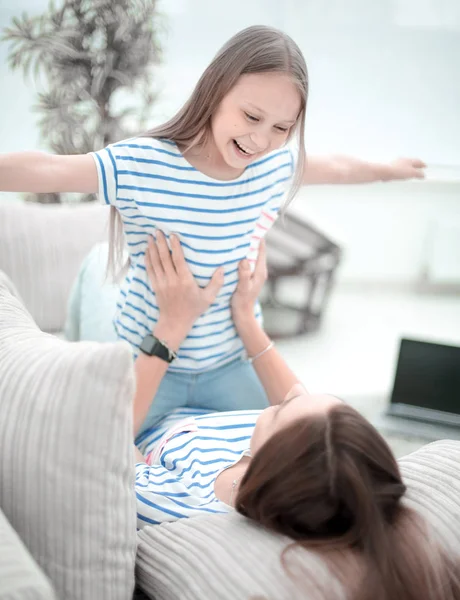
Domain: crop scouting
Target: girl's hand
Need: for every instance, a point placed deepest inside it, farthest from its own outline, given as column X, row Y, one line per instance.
column 249, row 286
column 180, row 299
column 406, row 168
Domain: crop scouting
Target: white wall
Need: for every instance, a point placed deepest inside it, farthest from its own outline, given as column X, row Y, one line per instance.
column 384, row 83
column 388, row 230
column 383, row 73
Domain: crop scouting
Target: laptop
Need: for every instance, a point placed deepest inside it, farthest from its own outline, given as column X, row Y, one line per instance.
column 427, row 383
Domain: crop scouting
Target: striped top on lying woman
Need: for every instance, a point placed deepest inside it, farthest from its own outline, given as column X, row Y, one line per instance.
column 184, row 458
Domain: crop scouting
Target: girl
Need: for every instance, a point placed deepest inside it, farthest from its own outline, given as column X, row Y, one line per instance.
column 308, row 467
column 216, row 174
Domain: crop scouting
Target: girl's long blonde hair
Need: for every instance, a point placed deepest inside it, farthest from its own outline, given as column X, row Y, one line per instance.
column 256, row 49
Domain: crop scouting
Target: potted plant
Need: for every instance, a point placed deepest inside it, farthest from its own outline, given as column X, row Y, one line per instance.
column 93, row 63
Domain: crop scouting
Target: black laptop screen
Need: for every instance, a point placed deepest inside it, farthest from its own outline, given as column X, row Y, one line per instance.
column 428, row 376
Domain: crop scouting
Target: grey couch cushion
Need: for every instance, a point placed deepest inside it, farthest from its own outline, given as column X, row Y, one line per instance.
column 228, row 557
column 20, row 576
column 41, row 249
column 66, row 455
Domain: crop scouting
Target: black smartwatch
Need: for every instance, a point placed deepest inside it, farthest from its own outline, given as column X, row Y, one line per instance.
column 152, row 346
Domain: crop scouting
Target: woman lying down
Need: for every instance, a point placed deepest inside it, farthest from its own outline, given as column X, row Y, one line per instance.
column 308, row 466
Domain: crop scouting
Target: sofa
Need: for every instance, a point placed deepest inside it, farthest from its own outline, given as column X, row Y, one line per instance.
column 67, row 501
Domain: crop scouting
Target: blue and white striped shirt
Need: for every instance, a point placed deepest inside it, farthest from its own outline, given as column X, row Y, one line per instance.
column 218, row 222
column 187, row 455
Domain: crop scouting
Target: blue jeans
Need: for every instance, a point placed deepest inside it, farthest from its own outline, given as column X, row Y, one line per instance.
column 234, row 386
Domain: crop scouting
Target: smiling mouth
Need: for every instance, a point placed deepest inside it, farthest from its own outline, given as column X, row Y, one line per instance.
column 243, row 151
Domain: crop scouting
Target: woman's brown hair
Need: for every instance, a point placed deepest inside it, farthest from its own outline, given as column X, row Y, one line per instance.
column 331, row 483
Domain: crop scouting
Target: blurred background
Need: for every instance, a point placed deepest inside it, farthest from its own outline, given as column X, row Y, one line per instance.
column 384, row 83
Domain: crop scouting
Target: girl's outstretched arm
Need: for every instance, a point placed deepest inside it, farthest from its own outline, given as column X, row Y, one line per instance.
column 347, row 169
column 40, row 172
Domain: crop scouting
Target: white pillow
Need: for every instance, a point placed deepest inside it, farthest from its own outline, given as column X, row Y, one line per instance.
column 66, row 455
column 6, row 282
column 20, row 576
column 93, row 300
column 230, row 557
column 41, row 249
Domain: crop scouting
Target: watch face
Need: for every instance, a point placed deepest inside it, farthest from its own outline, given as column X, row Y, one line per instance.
column 153, row 347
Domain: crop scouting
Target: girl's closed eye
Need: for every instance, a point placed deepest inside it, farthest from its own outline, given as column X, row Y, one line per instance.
column 252, row 118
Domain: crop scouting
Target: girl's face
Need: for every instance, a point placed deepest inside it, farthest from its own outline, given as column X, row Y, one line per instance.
column 255, row 117
column 297, row 405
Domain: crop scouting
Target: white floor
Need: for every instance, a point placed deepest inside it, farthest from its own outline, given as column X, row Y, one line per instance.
column 353, row 355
